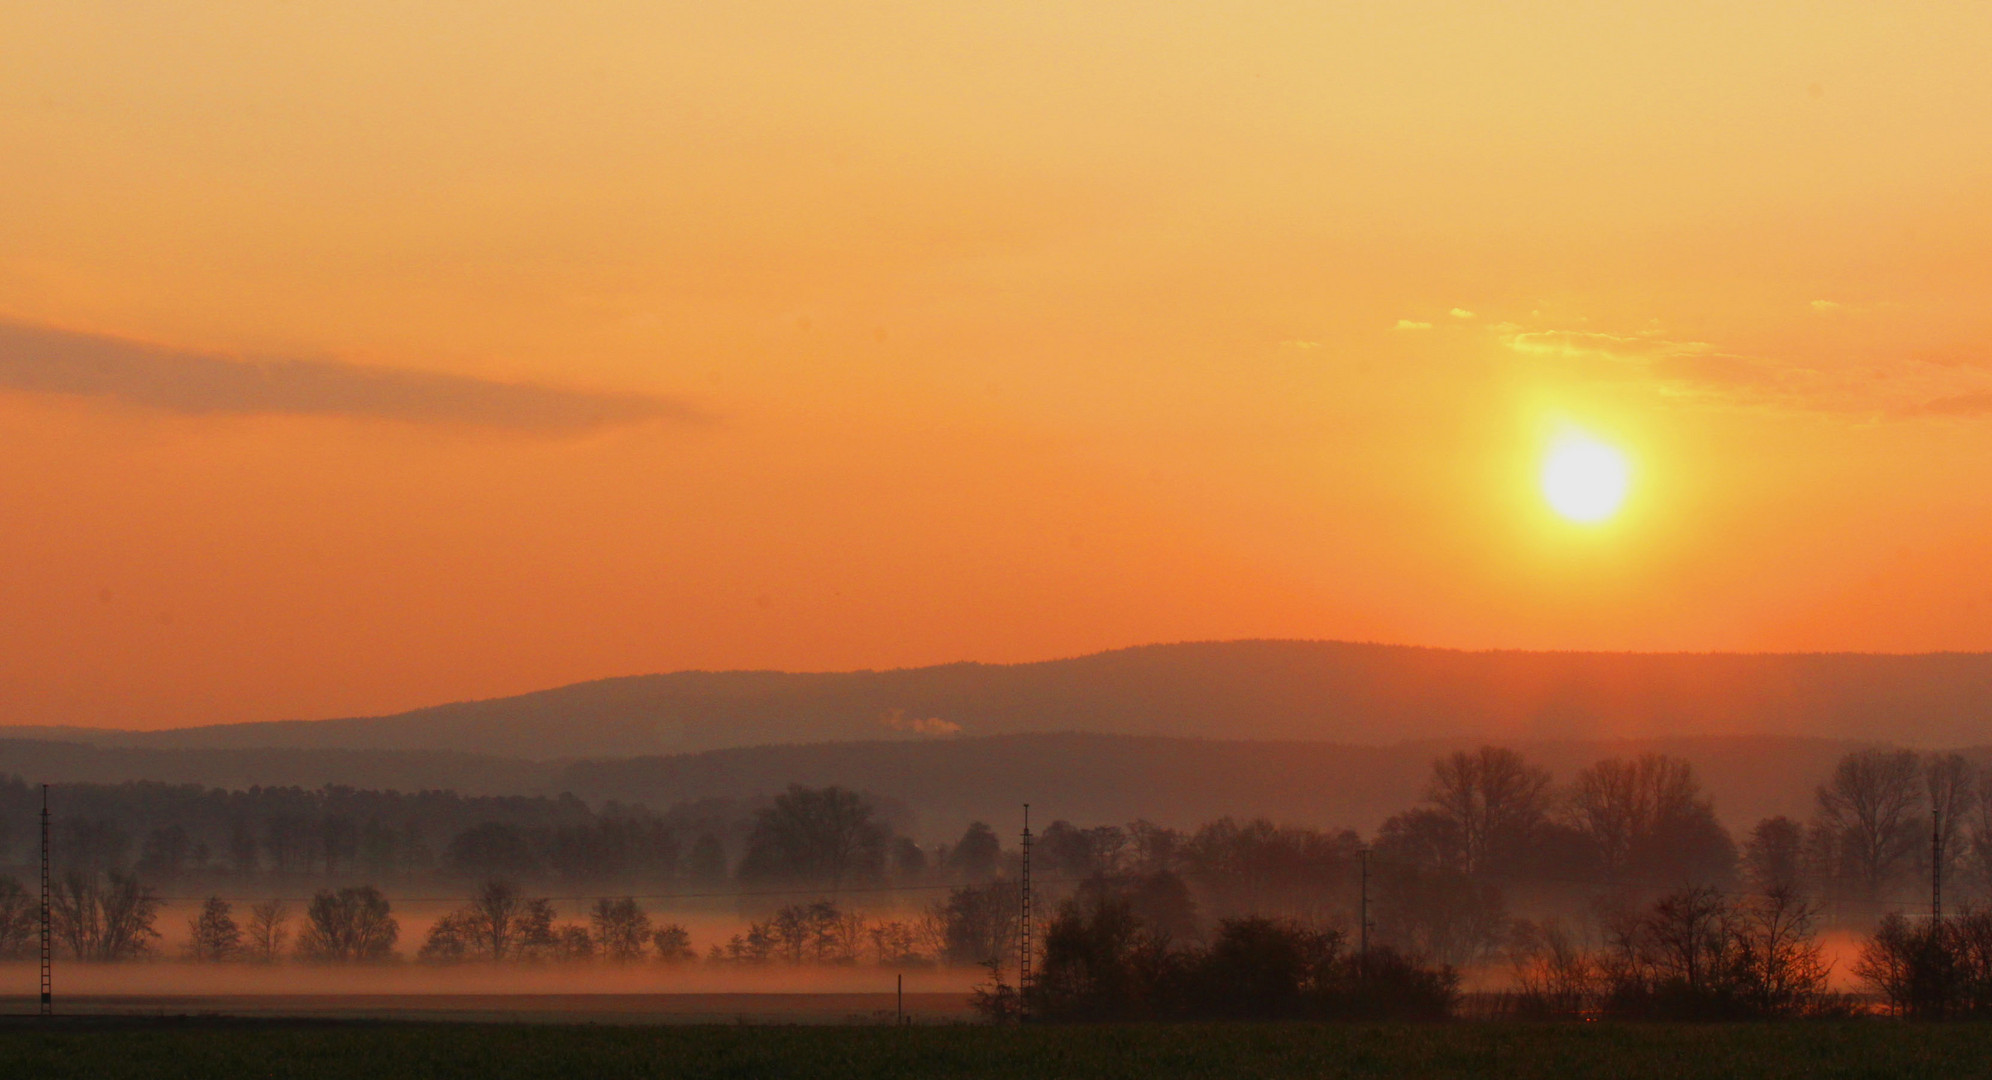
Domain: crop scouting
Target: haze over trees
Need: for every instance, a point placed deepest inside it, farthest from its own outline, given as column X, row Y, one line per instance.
column 1617, row 890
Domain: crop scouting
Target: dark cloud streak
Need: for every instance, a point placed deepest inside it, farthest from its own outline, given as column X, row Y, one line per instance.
column 47, row 361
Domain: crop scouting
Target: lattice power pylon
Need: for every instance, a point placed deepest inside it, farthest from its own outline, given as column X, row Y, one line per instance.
column 1024, row 920
column 47, row 940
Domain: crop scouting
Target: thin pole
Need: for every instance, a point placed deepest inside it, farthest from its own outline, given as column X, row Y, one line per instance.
column 47, row 940
column 1024, row 926
column 1936, row 865
column 899, row 1012
column 1362, row 955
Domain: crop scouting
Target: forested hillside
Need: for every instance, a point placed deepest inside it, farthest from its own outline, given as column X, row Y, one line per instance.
column 944, row 784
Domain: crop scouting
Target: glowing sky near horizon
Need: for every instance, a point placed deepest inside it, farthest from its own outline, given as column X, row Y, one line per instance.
column 360, row 356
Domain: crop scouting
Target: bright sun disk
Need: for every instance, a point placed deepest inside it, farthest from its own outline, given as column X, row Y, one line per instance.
column 1584, row 479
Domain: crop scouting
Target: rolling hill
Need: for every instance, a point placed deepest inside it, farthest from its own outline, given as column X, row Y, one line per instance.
column 1251, row 690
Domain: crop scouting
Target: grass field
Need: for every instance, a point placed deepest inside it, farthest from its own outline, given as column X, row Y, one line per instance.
column 383, row 1051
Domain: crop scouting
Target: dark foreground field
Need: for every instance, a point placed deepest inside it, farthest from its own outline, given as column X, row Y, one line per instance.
column 103, row 1048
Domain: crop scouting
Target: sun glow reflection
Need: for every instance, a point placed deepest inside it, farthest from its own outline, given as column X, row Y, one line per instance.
column 1585, row 480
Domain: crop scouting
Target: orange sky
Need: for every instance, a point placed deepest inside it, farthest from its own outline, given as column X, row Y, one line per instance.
column 357, row 356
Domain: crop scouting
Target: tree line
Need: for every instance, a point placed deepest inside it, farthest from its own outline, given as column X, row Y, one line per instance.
column 1494, row 836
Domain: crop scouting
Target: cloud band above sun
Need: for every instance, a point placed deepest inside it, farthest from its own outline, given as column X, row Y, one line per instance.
column 42, row 360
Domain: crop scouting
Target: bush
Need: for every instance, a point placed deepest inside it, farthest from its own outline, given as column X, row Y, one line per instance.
column 1932, row 970
column 1101, row 961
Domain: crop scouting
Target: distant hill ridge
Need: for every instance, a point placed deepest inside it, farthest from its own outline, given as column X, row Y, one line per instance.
column 1254, row 690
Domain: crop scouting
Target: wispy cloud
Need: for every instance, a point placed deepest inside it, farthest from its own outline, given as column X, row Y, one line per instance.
column 1408, row 324
column 46, row 361
column 1974, row 404
column 1593, row 345
column 1461, row 313
column 1698, row 372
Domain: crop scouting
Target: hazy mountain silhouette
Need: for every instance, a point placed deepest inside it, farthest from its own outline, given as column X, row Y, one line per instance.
column 1292, row 690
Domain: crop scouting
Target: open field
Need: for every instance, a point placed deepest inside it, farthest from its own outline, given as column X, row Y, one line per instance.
column 110, row 1049
column 525, row 1008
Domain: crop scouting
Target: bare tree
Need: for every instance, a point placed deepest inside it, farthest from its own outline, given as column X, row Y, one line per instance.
column 103, row 917
column 977, row 923
column 1871, row 806
column 674, row 944
column 1495, row 798
column 19, row 920
column 1977, row 848
column 1648, row 814
column 572, row 941
column 1554, row 974
column 1950, row 785
column 269, row 930
column 498, row 924
column 351, row 924
column 1781, row 967
column 621, row 928
column 212, row 934
column 1773, row 854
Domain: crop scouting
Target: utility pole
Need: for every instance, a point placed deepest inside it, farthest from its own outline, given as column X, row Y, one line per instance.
column 1936, row 865
column 1362, row 954
column 1024, row 926
column 47, row 941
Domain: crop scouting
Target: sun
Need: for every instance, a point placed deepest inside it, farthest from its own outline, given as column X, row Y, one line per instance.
column 1585, row 480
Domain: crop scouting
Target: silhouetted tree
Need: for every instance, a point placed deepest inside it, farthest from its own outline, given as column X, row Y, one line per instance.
column 103, row 916
column 498, row 924
column 212, row 934
column 1912, row 965
column 268, row 931
column 1950, row 790
column 621, row 928
column 978, row 855
column 20, row 921
column 979, row 923
column 896, row 943
column 348, row 925
column 572, row 941
column 1554, row 975
column 1099, row 963
column 1265, row 869
column 1068, row 851
column 673, row 944
column 1772, row 856
column 1649, row 821
column 817, row 835
column 1440, row 915
column 1693, row 954
column 1152, row 848
column 1495, row 798
column 1871, row 810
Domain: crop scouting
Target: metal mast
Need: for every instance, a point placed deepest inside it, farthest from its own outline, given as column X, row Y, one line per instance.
column 1936, row 865
column 47, row 952
column 1362, row 956
column 1024, row 924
